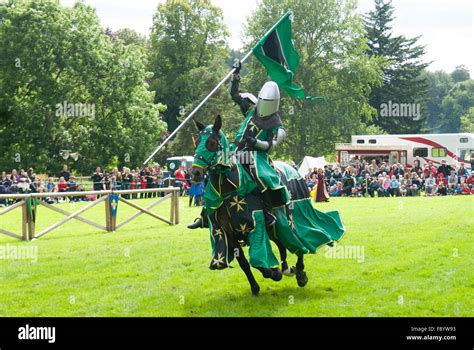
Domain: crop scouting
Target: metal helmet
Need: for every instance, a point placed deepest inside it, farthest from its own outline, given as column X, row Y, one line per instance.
column 268, row 99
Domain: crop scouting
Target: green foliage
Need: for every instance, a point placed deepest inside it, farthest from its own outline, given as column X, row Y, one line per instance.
column 449, row 98
column 330, row 39
column 456, row 105
column 439, row 84
column 53, row 56
column 403, row 82
column 467, row 121
column 186, row 35
column 461, row 73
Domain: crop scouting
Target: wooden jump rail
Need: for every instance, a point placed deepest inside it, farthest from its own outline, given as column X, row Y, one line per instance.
column 28, row 203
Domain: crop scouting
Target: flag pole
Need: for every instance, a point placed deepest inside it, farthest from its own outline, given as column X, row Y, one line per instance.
column 195, row 110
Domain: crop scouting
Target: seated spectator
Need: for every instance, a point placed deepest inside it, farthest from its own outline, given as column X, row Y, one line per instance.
column 441, row 183
column 333, row 191
column 462, row 173
column 458, row 189
column 465, row 190
column 62, row 185
column 36, row 186
column 71, row 184
column 416, row 183
column 347, row 184
column 452, row 180
column 442, row 191
column 24, row 182
column 50, row 186
column 14, row 176
column 430, row 185
column 405, row 184
column 470, row 181
column 363, row 185
column 72, row 187
column 384, row 184
column 80, row 188
column 5, row 184
column 313, row 181
column 450, row 190
column 373, row 186
column 394, row 187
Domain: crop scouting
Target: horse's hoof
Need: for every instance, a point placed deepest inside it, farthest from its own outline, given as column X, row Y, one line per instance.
column 255, row 290
column 289, row 272
column 301, row 278
column 276, row 275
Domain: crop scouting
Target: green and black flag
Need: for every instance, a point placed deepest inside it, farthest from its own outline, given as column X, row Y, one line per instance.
column 280, row 58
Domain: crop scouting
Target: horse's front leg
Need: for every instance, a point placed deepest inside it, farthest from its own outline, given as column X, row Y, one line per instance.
column 245, row 266
column 301, row 277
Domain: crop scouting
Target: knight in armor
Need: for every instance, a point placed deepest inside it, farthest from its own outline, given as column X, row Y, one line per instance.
column 260, row 132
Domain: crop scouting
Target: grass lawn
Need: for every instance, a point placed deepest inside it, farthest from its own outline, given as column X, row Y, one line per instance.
column 418, row 261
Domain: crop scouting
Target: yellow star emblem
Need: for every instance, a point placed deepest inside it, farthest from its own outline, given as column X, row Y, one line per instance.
column 219, row 261
column 218, row 233
column 243, row 228
column 237, row 203
column 291, row 222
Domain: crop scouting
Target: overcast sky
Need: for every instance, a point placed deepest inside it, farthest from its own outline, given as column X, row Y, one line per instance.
column 446, row 26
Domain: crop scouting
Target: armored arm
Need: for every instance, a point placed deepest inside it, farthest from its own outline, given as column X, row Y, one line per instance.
column 278, row 138
column 244, row 100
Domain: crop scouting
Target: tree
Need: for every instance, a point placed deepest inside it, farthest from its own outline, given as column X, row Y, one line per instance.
column 186, row 35
column 461, row 73
column 329, row 36
column 467, row 121
column 403, row 82
column 456, row 105
column 65, row 85
column 439, row 85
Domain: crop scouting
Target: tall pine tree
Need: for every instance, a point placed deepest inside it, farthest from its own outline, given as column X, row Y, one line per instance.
column 402, row 83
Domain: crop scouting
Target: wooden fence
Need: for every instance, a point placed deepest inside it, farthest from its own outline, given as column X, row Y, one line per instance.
column 29, row 202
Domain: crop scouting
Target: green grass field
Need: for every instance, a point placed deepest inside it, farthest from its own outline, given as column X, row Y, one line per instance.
column 418, row 261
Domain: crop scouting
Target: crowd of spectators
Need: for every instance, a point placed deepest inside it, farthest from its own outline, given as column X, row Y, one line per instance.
column 362, row 178
column 26, row 181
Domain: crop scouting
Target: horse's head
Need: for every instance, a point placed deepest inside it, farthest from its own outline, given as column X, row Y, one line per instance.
column 208, row 147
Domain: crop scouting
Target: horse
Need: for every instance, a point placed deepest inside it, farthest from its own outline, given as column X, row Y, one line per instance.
column 235, row 212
